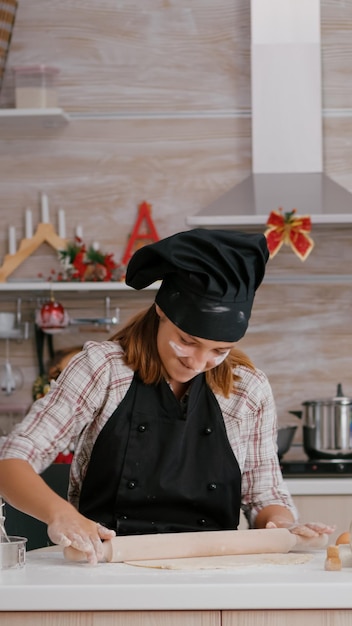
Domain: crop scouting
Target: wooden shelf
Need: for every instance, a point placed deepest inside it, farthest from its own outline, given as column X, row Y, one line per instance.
column 308, row 279
column 250, row 221
column 39, row 286
column 110, row 287
column 46, row 118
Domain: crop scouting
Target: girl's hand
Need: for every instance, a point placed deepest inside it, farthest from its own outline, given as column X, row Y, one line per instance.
column 81, row 533
column 309, row 529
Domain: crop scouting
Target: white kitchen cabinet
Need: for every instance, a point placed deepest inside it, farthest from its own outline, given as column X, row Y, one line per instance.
column 331, row 509
column 324, row 500
column 112, row 618
column 288, row 618
column 176, row 618
column 321, row 500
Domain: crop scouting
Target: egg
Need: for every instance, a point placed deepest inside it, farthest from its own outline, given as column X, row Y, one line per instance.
column 343, row 538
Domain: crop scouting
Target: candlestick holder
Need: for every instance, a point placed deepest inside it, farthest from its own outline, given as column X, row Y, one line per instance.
column 45, row 233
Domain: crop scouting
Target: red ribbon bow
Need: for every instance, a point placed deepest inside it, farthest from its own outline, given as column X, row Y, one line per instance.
column 290, row 229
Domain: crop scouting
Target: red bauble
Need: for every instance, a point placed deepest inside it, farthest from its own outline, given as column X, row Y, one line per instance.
column 52, row 317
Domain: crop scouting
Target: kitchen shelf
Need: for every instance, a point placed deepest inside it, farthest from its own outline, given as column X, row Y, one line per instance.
column 39, row 286
column 110, row 287
column 308, row 279
column 250, row 221
column 46, row 118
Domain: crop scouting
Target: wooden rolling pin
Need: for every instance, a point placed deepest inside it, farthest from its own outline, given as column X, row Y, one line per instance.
column 196, row 544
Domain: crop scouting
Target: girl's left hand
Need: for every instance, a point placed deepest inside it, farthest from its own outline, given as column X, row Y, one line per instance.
column 309, row 529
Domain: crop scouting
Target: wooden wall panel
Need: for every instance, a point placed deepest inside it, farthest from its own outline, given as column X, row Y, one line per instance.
column 331, row 255
column 301, row 336
column 337, row 149
column 336, row 22
column 151, row 56
column 108, row 167
column 300, row 332
column 159, row 97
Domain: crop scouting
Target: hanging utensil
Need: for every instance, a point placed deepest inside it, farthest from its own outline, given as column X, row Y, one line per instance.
column 3, row 533
column 11, row 377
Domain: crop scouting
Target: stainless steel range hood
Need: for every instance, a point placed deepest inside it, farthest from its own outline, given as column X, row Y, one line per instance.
column 250, row 202
column 287, row 145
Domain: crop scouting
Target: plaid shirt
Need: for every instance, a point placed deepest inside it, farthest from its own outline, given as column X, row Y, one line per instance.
column 85, row 395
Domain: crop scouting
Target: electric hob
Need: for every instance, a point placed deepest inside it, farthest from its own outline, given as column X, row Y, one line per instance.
column 328, row 468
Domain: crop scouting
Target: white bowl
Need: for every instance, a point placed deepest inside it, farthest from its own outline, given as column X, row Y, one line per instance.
column 7, row 322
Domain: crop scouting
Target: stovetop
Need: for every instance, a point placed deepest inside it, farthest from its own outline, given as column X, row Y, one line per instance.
column 319, row 468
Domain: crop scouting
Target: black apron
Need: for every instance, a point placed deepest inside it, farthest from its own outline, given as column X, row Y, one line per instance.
column 159, row 466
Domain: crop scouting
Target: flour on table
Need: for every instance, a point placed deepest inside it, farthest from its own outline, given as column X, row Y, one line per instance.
column 226, row 562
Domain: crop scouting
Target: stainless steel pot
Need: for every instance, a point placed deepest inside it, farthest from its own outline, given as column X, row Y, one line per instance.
column 284, row 439
column 327, row 427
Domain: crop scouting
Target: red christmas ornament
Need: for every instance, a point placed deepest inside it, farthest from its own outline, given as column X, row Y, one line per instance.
column 52, row 317
column 291, row 229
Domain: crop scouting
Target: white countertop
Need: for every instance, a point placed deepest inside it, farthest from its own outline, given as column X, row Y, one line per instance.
column 319, row 486
column 48, row 583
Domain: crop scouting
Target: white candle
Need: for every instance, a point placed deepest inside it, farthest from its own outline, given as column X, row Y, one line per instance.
column 79, row 231
column 45, row 208
column 29, row 224
column 95, row 245
column 12, row 240
column 62, row 224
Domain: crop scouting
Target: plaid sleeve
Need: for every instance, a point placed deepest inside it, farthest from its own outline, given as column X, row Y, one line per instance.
column 251, row 424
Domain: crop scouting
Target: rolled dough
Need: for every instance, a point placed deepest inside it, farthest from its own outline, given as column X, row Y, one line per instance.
column 232, row 561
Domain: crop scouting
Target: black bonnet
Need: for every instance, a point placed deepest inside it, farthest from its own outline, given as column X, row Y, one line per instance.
column 209, row 278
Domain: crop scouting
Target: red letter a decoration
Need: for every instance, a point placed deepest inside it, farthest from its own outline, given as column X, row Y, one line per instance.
column 149, row 235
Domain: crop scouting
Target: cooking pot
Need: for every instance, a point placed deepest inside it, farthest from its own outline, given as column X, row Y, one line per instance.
column 327, row 427
column 285, row 435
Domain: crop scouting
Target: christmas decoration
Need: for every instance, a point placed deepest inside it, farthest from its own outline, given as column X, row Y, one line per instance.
column 290, row 229
column 52, row 317
column 137, row 235
column 82, row 264
column 64, row 457
column 45, row 233
column 40, row 387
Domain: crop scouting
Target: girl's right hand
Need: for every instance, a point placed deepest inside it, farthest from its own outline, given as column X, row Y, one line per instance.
column 75, row 530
